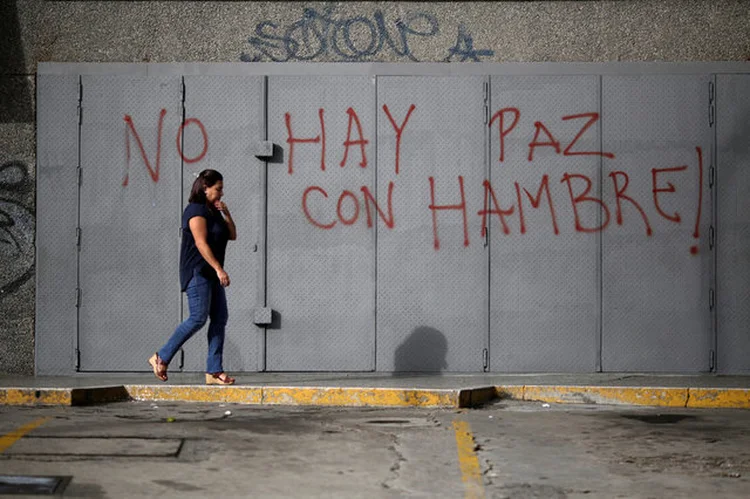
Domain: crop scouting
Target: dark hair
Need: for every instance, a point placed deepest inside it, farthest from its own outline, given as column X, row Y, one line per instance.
column 206, row 179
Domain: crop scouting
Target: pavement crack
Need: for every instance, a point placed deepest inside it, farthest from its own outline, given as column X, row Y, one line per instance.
column 488, row 472
column 395, row 469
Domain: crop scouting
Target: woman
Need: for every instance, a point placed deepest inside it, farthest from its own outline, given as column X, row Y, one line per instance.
column 204, row 241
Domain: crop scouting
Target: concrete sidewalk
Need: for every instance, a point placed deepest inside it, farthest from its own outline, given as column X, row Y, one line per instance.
column 386, row 390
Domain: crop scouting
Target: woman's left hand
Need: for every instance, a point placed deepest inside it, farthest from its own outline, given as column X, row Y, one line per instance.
column 221, row 206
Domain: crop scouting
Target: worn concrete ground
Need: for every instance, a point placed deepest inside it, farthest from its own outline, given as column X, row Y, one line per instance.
column 511, row 449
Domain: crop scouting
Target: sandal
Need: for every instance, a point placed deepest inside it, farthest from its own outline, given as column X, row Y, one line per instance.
column 160, row 368
column 219, row 379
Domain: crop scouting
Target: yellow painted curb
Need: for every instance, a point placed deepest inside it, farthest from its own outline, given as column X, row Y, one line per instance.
column 653, row 396
column 35, row 396
column 734, row 398
column 191, row 393
column 361, row 397
column 62, row 396
column 514, row 392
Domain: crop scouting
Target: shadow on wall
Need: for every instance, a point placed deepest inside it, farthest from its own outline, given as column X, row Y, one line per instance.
column 423, row 351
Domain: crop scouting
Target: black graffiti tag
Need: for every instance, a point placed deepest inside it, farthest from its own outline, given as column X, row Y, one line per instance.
column 16, row 228
column 318, row 34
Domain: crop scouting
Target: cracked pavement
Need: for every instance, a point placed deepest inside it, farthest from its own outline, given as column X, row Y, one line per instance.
column 524, row 450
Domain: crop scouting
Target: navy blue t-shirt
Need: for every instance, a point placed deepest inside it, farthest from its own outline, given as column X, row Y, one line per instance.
column 217, row 237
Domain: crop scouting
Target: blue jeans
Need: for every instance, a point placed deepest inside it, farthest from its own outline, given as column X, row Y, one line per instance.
column 206, row 298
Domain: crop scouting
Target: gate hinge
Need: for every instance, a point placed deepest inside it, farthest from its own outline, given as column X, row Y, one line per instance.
column 710, row 103
column 486, row 97
column 711, row 237
column 711, row 298
column 183, row 91
column 78, row 359
column 485, row 359
column 78, row 237
column 79, row 174
column 712, row 360
column 182, row 358
column 78, row 297
column 80, row 102
column 711, row 176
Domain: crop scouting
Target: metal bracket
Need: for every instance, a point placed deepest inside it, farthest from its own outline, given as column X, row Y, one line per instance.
column 264, row 149
column 262, row 316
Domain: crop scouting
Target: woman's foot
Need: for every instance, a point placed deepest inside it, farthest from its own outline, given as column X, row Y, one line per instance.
column 160, row 368
column 219, row 379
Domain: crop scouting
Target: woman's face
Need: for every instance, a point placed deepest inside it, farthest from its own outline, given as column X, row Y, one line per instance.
column 215, row 192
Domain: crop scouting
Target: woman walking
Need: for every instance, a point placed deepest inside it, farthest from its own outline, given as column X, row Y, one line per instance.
column 205, row 233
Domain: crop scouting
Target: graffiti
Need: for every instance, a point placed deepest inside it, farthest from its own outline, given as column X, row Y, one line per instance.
column 154, row 171
column 319, row 35
column 399, row 130
column 362, row 142
column 539, row 126
column 369, row 200
column 464, row 48
column 579, row 186
column 347, row 206
column 16, row 228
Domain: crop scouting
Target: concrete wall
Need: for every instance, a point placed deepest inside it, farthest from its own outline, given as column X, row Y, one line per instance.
column 37, row 30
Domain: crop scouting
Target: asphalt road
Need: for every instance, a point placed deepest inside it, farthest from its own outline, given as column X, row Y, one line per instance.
column 507, row 449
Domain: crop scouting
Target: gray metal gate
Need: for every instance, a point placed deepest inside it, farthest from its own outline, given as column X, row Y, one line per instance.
column 733, row 206
column 129, row 196
column 655, row 289
column 545, row 268
column 56, row 335
column 432, row 264
column 611, row 197
column 224, row 122
column 321, row 253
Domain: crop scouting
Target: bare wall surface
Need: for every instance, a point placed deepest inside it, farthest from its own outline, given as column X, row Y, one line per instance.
column 109, row 31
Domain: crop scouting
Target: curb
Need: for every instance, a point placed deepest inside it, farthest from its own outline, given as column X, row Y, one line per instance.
column 707, row 398
column 62, row 396
column 238, row 394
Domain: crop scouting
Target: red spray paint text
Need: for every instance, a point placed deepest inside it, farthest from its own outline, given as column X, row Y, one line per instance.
column 579, row 186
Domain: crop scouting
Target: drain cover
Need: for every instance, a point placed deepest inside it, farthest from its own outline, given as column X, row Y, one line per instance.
column 403, row 423
column 33, row 485
column 659, row 418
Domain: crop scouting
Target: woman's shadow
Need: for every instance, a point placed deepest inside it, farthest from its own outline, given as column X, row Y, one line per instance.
column 423, row 351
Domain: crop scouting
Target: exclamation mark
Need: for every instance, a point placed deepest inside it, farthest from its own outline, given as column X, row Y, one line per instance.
column 696, row 232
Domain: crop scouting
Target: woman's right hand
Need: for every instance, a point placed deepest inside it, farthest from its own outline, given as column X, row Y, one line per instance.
column 223, row 277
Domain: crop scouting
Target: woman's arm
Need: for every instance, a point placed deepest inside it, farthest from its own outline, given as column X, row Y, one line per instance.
column 222, row 207
column 199, row 229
